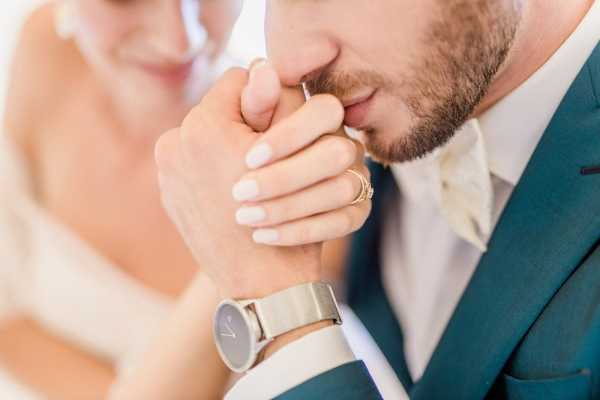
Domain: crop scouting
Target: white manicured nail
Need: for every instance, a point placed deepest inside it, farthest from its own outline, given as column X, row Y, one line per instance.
column 265, row 236
column 259, row 155
column 250, row 215
column 245, row 190
column 256, row 66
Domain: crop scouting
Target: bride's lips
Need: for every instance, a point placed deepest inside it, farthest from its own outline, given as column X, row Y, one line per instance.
column 357, row 109
column 172, row 73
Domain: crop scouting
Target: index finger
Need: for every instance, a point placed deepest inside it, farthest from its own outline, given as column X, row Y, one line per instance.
column 320, row 115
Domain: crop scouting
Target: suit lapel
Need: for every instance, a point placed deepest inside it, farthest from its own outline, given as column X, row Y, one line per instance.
column 548, row 226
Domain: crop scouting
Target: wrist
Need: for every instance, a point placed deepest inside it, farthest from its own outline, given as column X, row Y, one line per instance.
column 292, row 336
column 282, row 276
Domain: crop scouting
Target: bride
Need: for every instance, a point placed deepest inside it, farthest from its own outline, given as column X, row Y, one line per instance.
column 90, row 264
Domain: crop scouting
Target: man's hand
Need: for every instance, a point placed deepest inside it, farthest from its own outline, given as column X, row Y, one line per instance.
column 300, row 188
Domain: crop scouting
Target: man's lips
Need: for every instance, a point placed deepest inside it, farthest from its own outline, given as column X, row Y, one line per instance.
column 357, row 109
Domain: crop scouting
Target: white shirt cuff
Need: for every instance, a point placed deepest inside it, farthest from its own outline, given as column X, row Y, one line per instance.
column 294, row 364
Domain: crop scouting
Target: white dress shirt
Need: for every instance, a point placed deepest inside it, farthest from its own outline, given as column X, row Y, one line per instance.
column 426, row 265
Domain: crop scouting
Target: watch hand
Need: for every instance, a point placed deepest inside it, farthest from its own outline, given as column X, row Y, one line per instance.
column 230, row 333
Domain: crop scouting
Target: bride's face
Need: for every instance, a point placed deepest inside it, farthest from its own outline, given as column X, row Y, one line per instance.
column 161, row 49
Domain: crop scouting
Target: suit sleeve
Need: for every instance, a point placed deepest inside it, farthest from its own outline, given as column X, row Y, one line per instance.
column 318, row 366
column 347, row 382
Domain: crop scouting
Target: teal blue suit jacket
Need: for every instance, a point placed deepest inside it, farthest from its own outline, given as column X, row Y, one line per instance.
column 528, row 324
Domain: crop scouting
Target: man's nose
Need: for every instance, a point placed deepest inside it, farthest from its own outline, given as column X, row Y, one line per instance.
column 298, row 57
column 179, row 34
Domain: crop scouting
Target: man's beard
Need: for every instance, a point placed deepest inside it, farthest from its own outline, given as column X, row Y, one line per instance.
column 463, row 50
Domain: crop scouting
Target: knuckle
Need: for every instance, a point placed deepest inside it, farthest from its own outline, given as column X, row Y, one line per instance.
column 195, row 121
column 276, row 211
column 200, row 131
column 304, row 233
column 343, row 151
column 273, row 183
column 191, row 142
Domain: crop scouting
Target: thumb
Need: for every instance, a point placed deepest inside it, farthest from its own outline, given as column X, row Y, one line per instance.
column 261, row 96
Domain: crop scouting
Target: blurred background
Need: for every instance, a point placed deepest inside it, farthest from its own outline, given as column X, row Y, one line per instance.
column 247, row 41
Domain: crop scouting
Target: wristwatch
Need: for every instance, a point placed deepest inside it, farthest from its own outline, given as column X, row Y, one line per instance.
column 242, row 329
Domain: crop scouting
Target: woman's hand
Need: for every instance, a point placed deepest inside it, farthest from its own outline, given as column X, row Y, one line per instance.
column 298, row 189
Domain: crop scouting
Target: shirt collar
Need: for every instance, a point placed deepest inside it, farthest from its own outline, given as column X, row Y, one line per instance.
column 513, row 127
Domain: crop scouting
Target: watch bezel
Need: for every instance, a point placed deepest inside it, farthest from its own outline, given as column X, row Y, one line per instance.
column 254, row 334
column 270, row 317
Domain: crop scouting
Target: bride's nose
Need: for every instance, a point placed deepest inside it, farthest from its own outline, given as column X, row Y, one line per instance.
column 177, row 31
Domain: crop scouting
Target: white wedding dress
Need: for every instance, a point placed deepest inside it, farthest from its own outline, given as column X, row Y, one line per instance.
column 48, row 273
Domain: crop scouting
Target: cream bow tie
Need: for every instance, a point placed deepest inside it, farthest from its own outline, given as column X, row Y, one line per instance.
column 466, row 196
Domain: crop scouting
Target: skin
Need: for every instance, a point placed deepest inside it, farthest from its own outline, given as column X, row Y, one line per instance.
column 60, row 114
column 445, row 62
column 184, row 336
column 123, row 39
column 252, row 270
column 359, row 46
column 84, row 108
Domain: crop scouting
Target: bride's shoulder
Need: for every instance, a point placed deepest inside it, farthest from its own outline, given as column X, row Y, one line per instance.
column 42, row 69
column 43, row 66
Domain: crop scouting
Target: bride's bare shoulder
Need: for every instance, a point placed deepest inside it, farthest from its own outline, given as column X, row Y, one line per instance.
column 44, row 68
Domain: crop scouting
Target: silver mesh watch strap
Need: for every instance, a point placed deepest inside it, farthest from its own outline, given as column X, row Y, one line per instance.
column 296, row 307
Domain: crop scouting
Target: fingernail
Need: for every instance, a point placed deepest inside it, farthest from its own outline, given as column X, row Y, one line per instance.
column 245, row 190
column 259, row 155
column 253, row 70
column 256, row 65
column 265, row 236
column 250, row 215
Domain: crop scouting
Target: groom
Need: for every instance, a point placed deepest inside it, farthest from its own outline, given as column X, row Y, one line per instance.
column 478, row 272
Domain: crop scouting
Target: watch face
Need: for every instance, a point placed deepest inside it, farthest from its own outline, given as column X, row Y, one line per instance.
column 234, row 337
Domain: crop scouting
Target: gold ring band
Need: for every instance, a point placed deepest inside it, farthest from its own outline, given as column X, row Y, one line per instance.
column 366, row 189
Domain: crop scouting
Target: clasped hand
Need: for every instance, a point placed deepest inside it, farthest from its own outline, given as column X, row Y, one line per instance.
column 256, row 179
